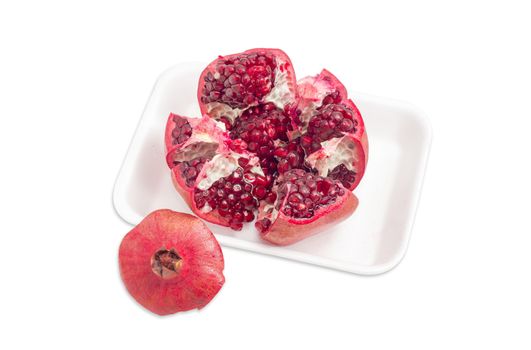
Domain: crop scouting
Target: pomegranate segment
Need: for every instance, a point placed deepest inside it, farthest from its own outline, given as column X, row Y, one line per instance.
column 232, row 83
column 171, row 262
column 306, row 204
column 226, row 193
column 317, row 91
column 333, row 132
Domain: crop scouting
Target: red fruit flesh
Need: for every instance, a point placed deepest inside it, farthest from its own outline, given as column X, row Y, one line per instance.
column 232, row 83
column 171, row 262
column 306, row 204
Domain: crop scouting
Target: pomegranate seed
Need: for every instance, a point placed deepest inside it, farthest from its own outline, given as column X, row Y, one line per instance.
column 239, row 145
column 224, row 204
column 246, row 198
column 252, row 146
column 304, row 190
column 315, row 196
column 262, row 225
column 231, row 198
column 281, row 152
column 228, row 187
column 295, row 198
column 237, row 176
column 249, row 177
column 237, row 189
column 260, row 192
column 248, row 216
column 237, row 216
column 271, row 197
column 243, row 162
column 260, row 181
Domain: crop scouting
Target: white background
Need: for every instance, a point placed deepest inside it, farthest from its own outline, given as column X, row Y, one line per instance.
column 74, row 79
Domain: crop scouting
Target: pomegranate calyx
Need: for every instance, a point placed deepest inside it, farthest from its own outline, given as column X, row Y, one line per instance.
column 166, row 263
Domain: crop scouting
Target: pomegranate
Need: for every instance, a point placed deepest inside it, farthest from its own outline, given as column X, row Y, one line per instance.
column 306, row 204
column 259, row 130
column 171, row 262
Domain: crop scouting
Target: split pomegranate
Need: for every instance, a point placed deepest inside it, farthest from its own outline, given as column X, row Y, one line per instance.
column 287, row 152
column 171, row 262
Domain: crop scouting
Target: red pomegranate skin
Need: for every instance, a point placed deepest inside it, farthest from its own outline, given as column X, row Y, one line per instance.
column 196, row 280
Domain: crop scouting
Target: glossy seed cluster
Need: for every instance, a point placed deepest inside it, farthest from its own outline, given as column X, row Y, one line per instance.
column 236, row 196
column 182, row 130
column 257, row 129
column 240, row 81
column 341, row 173
column 290, row 156
column 307, row 192
column 332, row 120
column 190, row 169
column 301, row 194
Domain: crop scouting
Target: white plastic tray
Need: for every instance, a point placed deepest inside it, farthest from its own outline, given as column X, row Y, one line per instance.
column 373, row 240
